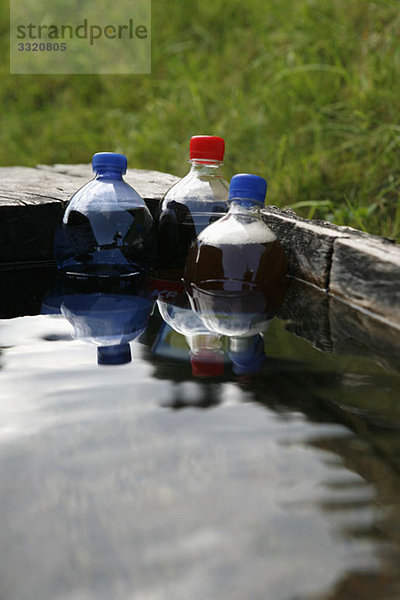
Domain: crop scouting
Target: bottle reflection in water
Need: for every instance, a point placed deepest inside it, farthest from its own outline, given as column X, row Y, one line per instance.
column 107, row 229
column 247, row 354
column 107, row 318
column 240, row 316
column 109, row 321
column 217, row 338
column 232, row 310
column 206, row 351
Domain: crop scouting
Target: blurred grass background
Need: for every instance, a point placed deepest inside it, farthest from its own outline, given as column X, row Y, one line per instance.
column 305, row 93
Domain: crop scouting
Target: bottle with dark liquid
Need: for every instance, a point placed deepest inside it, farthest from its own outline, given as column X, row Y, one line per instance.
column 237, row 266
column 197, row 200
column 107, row 229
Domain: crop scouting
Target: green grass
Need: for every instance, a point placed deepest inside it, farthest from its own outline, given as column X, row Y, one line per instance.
column 305, row 93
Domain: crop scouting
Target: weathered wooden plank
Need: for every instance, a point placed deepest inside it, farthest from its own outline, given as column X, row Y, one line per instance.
column 22, row 290
column 31, row 203
column 356, row 333
column 27, row 231
column 61, row 181
column 360, row 268
column 306, row 310
column 334, row 326
column 366, row 273
column 308, row 244
column 42, row 182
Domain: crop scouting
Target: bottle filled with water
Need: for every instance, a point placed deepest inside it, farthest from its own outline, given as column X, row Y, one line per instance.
column 107, row 229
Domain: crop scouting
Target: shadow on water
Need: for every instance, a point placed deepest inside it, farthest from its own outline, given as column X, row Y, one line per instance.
column 325, row 373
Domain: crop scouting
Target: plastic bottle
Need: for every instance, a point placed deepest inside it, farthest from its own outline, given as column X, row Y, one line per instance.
column 239, row 254
column 107, row 229
column 193, row 203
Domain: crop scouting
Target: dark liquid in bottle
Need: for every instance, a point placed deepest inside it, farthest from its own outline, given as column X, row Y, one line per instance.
column 177, row 228
column 119, row 243
column 257, row 270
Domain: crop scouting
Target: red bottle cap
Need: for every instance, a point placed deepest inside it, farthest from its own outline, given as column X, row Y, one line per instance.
column 207, row 364
column 207, row 146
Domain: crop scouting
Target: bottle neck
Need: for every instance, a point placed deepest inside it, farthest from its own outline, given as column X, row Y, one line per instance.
column 245, row 206
column 211, row 168
column 109, row 174
column 241, row 344
column 204, row 343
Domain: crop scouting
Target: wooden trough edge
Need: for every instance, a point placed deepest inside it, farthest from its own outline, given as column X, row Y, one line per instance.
column 358, row 268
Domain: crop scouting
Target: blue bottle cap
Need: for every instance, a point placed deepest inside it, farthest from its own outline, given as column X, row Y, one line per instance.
column 250, row 360
column 248, row 186
column 119, row 354
column 109, row 161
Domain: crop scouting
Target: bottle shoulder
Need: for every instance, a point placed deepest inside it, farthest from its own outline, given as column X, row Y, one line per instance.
column 110, row 194
column 182, row 320
column 194, row 188
column 237, row 229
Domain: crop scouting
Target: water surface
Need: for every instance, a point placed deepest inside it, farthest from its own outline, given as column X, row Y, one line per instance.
column 143, row 482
